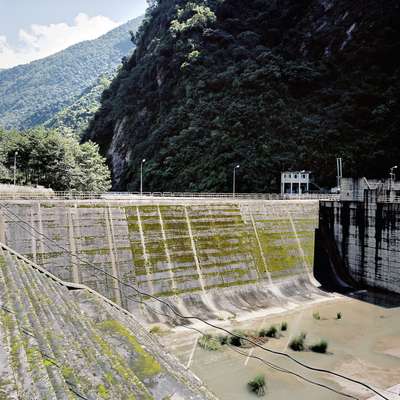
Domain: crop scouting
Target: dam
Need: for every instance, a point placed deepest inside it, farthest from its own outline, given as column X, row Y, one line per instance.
column 211, row 255
column 245, row 265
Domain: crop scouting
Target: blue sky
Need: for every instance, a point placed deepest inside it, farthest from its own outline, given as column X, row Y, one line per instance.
column 32, row 29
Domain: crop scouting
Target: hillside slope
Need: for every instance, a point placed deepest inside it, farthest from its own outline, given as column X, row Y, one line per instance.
column 271, row 85
column 74, row 119
column 31, row 94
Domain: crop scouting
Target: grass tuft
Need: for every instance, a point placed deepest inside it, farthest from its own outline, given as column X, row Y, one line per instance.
column 320, row 347
column 316, row 316
column 284, row 326
column 235, row 340
column 339, row 315
column 222, row 339
column 208, row 342
column 271, row 332
column 257, row 385
column 297, row 343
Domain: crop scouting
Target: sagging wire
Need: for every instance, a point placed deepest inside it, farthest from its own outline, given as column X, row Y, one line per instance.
column 184, row 317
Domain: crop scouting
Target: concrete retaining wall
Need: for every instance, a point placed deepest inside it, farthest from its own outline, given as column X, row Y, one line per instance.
column 367, row 235
column 169, row 248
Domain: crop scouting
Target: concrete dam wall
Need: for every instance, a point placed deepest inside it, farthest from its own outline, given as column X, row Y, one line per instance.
column 366, row 235
column 202, row 255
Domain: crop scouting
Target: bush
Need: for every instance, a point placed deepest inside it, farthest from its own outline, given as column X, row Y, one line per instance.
column 316, row 316
column 320, row 347
column 284, row 326
column 222, row 339
column 339, row 315
column 257, row 385
column 207, row 342
column 235, row 340
column 271, row 332
column 297, row 344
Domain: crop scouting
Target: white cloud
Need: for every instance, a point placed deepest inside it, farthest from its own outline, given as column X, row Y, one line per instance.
column 43, row 40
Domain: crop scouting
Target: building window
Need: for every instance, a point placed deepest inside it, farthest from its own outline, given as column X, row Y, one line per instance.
column 303, row 176
column 295, row 177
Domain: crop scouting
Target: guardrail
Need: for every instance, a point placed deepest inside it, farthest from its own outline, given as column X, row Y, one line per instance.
column 382, row 198
column 6, row 195
column 388, row 199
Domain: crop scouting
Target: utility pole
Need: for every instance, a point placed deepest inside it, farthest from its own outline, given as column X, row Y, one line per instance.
column 15, row 167
column 234, row 180
column 392, row 177
column 141, row 176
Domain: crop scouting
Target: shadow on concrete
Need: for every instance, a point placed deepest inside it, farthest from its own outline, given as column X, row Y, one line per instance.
column 386, row 300
column 331, row 273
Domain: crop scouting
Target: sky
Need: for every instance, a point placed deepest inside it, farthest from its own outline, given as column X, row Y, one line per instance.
column 33, row 29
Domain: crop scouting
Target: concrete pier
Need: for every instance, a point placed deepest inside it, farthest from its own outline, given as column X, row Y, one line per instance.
column 366, row 235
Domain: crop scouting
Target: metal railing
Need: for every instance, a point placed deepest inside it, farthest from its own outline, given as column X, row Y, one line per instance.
column 383, row 198
column 72, row 195
column 380, row 198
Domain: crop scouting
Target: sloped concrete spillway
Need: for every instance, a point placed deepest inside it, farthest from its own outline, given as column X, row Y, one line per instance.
column 57, row 343
column 208, row 258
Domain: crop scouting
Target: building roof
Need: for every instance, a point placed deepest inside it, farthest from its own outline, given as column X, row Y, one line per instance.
column 58, row 343
column 296, row 172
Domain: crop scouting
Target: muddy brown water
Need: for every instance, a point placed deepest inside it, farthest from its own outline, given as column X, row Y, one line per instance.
column 364, row 345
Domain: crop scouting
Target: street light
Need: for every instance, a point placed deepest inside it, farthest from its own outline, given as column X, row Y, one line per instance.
column 15, row 167
column 234, row 179
column 141, row 176
column 392, row 176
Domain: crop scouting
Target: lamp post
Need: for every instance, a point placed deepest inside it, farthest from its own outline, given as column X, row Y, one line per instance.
column 234, row 180
column 15, row 167
column 392, row 176
column 141, row 176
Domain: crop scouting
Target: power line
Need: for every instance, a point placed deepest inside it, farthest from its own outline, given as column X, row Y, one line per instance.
column 281, row 369
column 169, row 306
column 268, row 363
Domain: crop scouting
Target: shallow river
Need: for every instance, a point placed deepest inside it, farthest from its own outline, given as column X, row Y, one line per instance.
column 364, row 344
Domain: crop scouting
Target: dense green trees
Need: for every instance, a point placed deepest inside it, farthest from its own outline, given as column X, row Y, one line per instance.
column 74, row 119
column 31, row 94
column 52, row 160
column 272, row 85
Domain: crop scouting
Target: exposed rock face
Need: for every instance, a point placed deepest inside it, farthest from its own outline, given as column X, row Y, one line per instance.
column 117, row 148
column 272, row 85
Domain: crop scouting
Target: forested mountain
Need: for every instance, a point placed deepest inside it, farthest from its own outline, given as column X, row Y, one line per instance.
column 31, row 94
column 74, row 119
column 268, row 84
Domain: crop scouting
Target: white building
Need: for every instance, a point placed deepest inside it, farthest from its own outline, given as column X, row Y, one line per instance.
column 295, row 182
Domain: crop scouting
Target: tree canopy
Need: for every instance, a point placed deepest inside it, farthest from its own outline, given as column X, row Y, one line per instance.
column 74, row 119
column 272, row 85
column 53, row 160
